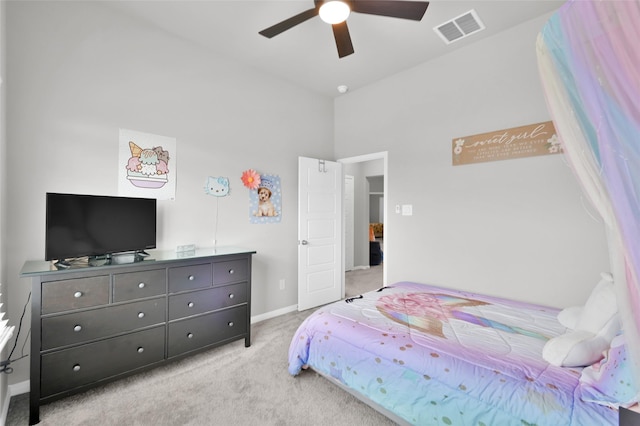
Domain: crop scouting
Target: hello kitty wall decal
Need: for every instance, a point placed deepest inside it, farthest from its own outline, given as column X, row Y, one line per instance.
column 147, row 165
column 217, row 186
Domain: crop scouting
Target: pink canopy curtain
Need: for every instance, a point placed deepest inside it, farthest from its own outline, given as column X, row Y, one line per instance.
column 589, row 62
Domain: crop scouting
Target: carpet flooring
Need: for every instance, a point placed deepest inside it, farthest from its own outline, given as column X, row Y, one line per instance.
column 229, row 385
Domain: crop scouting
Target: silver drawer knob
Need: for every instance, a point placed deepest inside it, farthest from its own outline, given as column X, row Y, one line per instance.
column 76, row 367
column 191, row 278
column 141, row 285
column 140, row 349
column 77, row 294
column 77, row 328
column 189, row 335
column 140, row 314
column 231, row 296
column 190, row 304
column 231, row 271
column 230, row 324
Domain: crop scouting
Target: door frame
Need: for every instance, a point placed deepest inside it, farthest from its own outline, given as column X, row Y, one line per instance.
column 348, row 222
column 383, row 155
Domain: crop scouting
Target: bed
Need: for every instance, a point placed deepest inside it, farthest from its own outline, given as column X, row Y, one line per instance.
column 426, row 355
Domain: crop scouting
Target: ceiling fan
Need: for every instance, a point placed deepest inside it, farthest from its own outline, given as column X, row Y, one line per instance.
column 335, row 12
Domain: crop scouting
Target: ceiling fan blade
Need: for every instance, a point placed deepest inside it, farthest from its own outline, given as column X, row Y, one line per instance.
column 289, row 23
column 343, row 39
column 413, row 10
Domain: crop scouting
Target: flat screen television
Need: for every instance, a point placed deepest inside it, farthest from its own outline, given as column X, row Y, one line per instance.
column 95, row 225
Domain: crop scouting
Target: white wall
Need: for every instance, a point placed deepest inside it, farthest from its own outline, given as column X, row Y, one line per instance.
column 79, row 72
column 3, row 167
column 514, row 228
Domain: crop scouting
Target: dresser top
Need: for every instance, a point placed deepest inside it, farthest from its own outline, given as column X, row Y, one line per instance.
column 42, row 267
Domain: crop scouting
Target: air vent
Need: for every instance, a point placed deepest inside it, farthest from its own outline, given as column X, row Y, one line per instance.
column 460, row 27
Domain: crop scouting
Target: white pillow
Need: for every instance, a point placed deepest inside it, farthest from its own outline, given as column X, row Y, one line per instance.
column 574, row 349
column 600, row 307
column 592, row 328
column 569, row 316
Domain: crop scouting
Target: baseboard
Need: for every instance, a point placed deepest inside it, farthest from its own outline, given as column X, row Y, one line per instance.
column 12, row 390
column 355, row 268
column 273, row 314
column 19, row 388
column 5, row 409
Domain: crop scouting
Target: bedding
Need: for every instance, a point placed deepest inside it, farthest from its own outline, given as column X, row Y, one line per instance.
column 436, row 356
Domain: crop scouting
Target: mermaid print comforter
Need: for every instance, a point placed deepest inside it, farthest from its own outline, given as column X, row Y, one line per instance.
column 436, row 356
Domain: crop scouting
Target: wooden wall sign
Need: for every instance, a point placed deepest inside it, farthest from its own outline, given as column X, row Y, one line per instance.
column 517, row 142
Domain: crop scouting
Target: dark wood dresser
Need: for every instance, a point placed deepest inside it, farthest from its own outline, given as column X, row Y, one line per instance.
column 94, row 324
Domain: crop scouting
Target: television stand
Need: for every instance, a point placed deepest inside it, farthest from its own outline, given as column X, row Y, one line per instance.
column 93, row 325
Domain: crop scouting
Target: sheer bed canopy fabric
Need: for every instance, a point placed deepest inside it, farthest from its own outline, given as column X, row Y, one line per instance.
column 589, row 63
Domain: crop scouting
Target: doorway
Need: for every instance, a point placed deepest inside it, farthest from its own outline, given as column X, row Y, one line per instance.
column 362, row 276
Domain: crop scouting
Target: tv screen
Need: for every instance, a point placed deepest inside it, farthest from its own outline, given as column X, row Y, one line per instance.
column 94, row 225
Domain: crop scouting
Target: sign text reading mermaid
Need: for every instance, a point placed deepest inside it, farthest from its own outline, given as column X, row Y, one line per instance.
column 525, row 141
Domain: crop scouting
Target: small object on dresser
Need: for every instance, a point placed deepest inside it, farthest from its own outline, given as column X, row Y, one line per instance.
column 62, row 264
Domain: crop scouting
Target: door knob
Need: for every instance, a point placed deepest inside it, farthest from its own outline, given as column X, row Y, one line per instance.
column 304, row 242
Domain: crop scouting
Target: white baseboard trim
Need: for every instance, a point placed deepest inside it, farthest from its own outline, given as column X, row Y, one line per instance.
column 19, row 388
column 273, row 314
column 361, row 267
column 5, row 409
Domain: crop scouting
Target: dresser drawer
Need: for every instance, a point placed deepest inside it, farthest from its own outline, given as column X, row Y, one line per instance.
column 60, row 296
column 201, row 301
column 230, row 271
column 79, row 327
column 190, row 277
column 194, row 333
column 137, row 285
column 70, row 368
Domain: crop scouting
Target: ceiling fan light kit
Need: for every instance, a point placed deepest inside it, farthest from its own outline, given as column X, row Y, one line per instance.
column 334, row 12
column 412, row 10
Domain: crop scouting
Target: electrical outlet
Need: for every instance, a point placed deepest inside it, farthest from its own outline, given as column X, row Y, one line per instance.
column 281, row 283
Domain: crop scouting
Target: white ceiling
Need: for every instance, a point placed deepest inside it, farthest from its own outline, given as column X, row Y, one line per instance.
column 306, row 54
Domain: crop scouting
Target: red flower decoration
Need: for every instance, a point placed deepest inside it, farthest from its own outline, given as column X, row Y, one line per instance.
column 250, row 179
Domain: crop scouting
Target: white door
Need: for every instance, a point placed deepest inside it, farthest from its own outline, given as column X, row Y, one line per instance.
column 349, row 222
column 320, row 272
